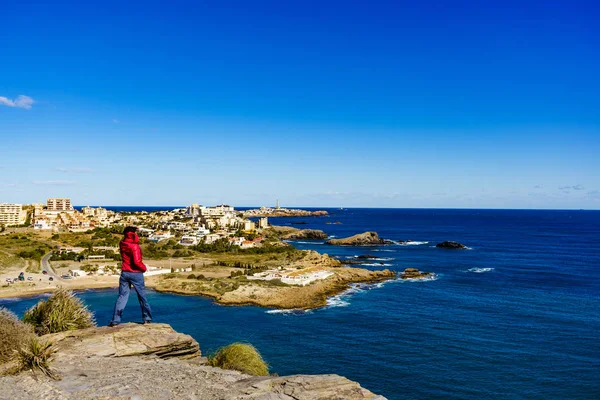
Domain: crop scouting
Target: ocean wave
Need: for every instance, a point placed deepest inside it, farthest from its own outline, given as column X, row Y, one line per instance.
column 414, row 243
column 385, row 250
column 376, row 264
column 302, row 242
column 432, row 277
column 337, row 301
column 343, row 299
column 480, row 270
column 372, row 259
column 289, row 312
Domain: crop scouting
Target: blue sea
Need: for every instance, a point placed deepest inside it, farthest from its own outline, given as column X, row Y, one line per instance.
column 515, row 316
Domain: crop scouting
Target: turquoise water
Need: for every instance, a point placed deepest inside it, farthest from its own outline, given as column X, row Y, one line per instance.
column 514, row 317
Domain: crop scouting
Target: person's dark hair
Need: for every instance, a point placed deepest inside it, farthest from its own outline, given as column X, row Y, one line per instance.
column 129, row 229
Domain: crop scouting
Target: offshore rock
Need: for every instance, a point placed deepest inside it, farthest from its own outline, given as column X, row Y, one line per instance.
column 362, row 239
column 450, row 245
column 152, row 362
column 413, row 273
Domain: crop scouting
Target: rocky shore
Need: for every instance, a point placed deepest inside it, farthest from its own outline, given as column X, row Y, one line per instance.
column 153, row 362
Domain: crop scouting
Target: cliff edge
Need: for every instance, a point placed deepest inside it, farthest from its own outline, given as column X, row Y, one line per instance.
column 156, row 362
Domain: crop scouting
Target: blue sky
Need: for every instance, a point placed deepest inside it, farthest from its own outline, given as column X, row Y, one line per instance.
column 316, row 103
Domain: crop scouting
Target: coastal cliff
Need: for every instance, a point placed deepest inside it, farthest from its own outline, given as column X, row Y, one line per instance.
column 154, row 362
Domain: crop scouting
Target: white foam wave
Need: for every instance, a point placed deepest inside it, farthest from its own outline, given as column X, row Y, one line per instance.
column 373, row 259
column 376, row 264
column 309, row 242
column 415, row 243
column 289, row 312
column 480, row 270
column 432, row 277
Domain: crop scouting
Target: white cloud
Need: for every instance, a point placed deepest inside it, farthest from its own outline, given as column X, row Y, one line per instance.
column 54, row 183
column 574, row 187
column 75, row 170
column 20, row 102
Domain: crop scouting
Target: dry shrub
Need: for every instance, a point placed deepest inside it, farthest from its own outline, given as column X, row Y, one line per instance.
column 241, row 357
column 37, row 356
column 13, row 334
column 61, row 312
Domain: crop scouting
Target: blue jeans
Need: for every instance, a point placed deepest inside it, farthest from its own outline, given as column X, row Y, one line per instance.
column 136, row 279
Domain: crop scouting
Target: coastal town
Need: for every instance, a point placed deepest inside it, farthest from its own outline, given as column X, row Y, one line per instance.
column 233, row 256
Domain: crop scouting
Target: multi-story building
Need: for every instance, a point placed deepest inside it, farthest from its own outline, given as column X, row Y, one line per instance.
column 12, row 214
column 263, row 223
column 60, row 205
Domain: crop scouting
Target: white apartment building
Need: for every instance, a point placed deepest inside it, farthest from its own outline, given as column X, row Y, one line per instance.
column 60, row 205
column 12, row 214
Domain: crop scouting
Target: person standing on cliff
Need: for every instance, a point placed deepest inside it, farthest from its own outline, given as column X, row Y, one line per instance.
column 132, row 275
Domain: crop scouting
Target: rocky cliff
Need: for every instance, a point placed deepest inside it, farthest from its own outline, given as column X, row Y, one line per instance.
column 153, row 361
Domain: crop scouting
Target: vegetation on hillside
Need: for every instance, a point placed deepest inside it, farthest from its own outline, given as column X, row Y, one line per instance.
column 14, row 334
column 61, row 312
column 241, row 357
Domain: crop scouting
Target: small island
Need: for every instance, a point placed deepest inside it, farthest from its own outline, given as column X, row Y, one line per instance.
column 361, row 239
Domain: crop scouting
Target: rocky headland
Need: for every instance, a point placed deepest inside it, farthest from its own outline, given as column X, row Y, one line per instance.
column 153, row 362
column 274, row 294
column 361, row 239
column 283, row 212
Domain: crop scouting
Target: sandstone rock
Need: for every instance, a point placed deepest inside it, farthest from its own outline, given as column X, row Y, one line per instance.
column 114, row 363
column 413, row 273
column 303, row 387
column 450, row 245
column 362, row 239
column 126, row 340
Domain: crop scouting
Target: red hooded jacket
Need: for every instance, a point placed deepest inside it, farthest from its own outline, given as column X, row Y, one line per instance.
column 131, row 254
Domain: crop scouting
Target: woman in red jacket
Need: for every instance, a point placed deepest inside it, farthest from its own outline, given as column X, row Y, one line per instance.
column 132, row 275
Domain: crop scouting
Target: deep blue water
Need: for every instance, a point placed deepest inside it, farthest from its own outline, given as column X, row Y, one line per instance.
column 528, row 327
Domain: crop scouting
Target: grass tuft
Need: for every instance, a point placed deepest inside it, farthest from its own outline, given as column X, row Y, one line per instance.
column 241, row 357
column 13, row 335
column 61, row 312
column 37, row 356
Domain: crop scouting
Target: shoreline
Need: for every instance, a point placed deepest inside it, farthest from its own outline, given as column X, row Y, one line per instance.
column 319, row 299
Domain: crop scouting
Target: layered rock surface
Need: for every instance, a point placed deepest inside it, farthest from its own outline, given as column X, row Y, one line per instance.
column 155, row 362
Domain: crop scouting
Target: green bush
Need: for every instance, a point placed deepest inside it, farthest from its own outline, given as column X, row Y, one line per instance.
column 241, row 357
column 61, row 312
column 200, row 277
column 191, row 276
column 37, row 356
column 13, row 334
